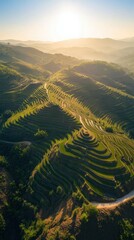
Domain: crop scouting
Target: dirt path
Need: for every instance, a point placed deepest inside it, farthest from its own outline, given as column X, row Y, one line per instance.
column 115, row 204
column 45, row 86
column 82, row 122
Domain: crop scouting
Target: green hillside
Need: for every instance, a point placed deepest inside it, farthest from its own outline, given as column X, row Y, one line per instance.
column 26, row 59
column 66, row 140
column 105, row 89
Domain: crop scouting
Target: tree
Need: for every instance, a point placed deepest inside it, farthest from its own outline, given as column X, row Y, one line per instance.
column 127, row 230
column 59, row 190
column 40, row 134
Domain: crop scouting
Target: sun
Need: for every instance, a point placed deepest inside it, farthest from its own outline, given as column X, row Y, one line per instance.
column 68, row 24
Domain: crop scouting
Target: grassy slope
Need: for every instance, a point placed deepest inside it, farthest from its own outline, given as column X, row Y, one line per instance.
column 25, row 59
column 14, row 88
column 74, row 159
column 107, row 91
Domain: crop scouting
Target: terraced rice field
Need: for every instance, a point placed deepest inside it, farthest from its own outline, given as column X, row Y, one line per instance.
column 79, row 164
column 14, row 90
column 66, row 143
column 106, row 102
column 37, row 113
column 77, row 156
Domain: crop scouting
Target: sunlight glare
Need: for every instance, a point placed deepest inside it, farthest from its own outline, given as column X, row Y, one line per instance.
column 68, row 24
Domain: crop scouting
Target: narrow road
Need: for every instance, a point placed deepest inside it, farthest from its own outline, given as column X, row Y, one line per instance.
column 115, row 204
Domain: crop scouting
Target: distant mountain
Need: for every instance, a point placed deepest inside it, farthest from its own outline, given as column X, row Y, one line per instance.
column 99, row 43
column 103, row 44
column 82, row 53
column 124, row 57
column 131, row 39
column 93, row 49
column 105, row 49
column 30, row 60
column 20, row 42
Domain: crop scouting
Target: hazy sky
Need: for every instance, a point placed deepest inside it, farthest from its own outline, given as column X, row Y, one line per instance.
column 59, row 19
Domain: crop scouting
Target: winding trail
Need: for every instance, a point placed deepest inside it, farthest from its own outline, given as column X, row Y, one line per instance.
column 45, row 86
column 115, row 204
column 82, row 122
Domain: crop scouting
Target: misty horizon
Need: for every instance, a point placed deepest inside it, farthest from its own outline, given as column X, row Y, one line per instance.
column 58, row 20
column 125, row 38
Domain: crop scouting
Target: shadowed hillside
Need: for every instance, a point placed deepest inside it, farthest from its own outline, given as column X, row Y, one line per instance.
column 66, row 141
column 30, row 60
column 105, row 88
column 118, row 51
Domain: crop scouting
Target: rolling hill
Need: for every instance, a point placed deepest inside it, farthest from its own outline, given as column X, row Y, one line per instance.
column 111, row 50
column 30, row 60
column 66, row 140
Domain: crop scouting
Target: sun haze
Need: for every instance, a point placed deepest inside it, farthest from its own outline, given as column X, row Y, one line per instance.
column 55, row 20
column 67, row 24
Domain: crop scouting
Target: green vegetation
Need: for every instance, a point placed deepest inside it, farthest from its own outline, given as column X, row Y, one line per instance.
column 33, row 231
column 3, row 161
column 91, row 210
column 84, row 218
column 66, row 139
column 127, row 230
column 107, row 93
column 40, row 134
